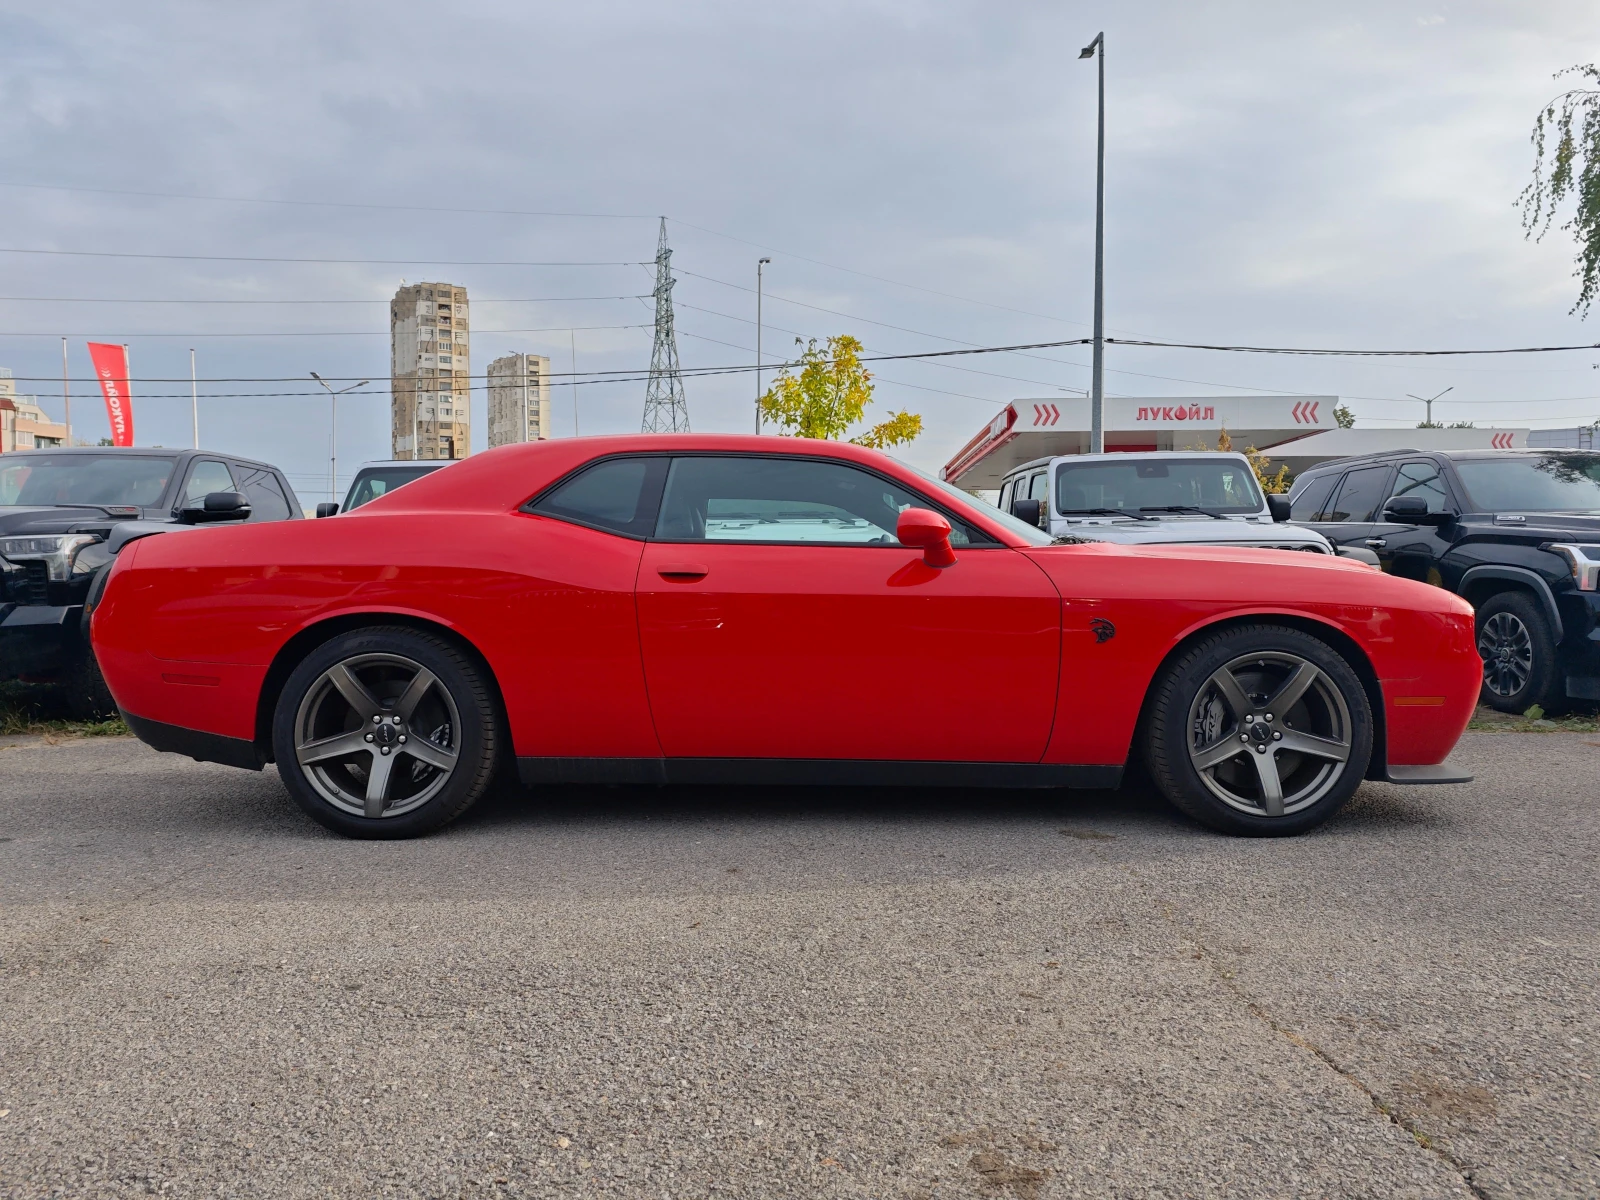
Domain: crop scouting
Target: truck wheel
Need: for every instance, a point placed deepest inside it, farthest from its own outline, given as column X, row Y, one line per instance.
column 1518, row 649
column 84, row 688
column 1262, row 730
column 385, row 733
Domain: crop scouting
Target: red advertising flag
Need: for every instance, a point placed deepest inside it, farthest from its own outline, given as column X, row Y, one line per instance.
column 111, row 367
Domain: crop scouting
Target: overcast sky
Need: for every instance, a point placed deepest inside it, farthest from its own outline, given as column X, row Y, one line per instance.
column 1326, row 175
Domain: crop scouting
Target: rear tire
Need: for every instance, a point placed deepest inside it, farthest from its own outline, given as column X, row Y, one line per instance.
column 385, row 732
column 1261, row 730
column 1518, row 648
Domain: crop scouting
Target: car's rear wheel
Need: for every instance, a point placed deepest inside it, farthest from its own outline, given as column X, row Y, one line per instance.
column 1518, row 649
column 1260, row 730
column 385, row 733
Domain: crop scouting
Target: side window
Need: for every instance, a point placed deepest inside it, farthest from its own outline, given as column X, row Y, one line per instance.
column 619, row 495
column 267, row 501
column 1039, row 486
column 205, row 477
column 729, row 499
column 1359, row 495
column 1005, row 495
column 1422, row 479
column 1308, row 503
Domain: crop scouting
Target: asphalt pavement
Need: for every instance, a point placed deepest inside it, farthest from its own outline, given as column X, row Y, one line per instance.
column 796, row 993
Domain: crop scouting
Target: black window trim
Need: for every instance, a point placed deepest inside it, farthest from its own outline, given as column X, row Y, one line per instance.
column 529, row 508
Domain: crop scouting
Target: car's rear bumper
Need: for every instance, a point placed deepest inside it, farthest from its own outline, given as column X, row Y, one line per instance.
column 197, row 744
column 37, row 639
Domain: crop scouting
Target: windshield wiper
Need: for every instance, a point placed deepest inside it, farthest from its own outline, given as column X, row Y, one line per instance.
column 1182, row 508
column 1103, row 512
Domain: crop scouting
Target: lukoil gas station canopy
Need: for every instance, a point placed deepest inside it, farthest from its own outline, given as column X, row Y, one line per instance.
column 1028, row 429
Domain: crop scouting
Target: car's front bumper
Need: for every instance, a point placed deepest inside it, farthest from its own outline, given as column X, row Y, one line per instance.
column 38, row 639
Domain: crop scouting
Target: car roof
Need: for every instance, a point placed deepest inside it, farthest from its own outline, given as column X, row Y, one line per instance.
column 1119, row 456
column 147, row 452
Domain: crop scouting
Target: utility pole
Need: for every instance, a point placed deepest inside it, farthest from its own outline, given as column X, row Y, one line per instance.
column 66, row 392
column 573, row 340
column 333, row 433
column 666, row 409
column 194, row 399
column 1428, row 400
column 1097, row 398
column 760, row 262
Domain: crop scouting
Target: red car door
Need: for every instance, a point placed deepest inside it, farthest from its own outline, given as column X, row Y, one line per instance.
column 780, row 618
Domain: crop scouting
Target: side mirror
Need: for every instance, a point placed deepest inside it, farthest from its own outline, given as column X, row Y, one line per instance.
column 1409, row 510
column 327, row 509
column 1031, row 511
column 218, row 506
column 923, row 529
column 1278, row 506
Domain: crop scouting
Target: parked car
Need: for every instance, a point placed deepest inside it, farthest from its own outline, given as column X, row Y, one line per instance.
column 597, row 610
column 376, row 479
column 64, row 513
column 1151, row 498
column 1515, row 532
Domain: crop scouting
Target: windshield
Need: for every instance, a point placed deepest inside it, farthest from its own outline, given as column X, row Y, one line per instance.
column 1560, row 482
column 379, row 481
column 46, row 479
column 1215, row 484
column 1022, row 529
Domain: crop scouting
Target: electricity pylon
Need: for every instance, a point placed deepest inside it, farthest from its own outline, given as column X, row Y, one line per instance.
column 666, row 410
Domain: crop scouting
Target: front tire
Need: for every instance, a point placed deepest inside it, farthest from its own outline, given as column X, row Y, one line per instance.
column 385, row 732
column 1518, row 649
column 1263, row 731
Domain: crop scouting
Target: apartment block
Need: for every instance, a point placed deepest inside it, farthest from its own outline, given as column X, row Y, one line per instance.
column 519, row 399
column 23, row 424
column 430, row 372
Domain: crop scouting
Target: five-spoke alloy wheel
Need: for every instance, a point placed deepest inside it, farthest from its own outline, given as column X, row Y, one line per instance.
column 1259, row 730
column 385, row 732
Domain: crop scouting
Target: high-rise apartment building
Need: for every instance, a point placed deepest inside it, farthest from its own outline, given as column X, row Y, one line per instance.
column 23, row 424
column 519, row 399
column 430, row 372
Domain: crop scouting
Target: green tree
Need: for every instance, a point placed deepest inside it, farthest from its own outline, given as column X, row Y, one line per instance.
column 831, row 394
column 1343, row 415
column 1569, row 168
column 1442, row 425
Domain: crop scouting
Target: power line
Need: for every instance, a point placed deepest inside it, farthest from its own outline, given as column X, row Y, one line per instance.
column 142, row 300
column 1346, row 353
column 312, row 333
column 370, row 262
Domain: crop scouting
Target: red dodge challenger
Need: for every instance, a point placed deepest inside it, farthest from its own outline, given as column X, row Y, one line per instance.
column 710, row 609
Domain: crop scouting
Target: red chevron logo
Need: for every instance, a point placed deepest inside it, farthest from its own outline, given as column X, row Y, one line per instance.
column 1305, row 412
column 1046, row 414
column 1501, row 441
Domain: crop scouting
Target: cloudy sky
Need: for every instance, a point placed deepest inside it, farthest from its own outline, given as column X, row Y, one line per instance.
column 921, row 175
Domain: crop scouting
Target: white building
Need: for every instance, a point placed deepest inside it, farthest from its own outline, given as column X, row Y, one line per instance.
column 23, row 424
column 430, row 372
column 519, row 399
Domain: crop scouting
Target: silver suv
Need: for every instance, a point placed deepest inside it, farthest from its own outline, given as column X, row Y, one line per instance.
column 1151, row 497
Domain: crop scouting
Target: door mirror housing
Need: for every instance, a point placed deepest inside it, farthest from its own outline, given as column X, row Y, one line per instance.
column 1413, row 510
column 924, row 529
column 327, row 509
column 1031, row 511
column 1278, row 506
column 218, row 506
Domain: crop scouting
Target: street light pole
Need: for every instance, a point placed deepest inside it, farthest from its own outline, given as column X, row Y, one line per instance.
column 194, row 399
column 333, row 433
column 1428, row 400
column 1097, row 398
column 760, row 263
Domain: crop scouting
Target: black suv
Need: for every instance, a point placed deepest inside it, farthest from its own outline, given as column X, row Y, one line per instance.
column 1516, row 533
column 63, row 516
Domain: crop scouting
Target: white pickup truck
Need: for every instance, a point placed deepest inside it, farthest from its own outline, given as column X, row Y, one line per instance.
column 1148, row 497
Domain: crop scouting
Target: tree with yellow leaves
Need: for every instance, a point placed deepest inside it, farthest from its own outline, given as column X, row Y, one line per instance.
column 831, row 394
column 1272, row 482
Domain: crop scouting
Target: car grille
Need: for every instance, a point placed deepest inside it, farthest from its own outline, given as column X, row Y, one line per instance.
column 1311, row 549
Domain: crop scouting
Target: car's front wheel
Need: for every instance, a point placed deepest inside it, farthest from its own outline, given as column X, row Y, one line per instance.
column 1259, row 730
column 385, row 732
column 1518, row 648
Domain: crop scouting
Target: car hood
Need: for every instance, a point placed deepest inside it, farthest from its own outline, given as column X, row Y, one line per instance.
column 44, row 521
column 1201, row 530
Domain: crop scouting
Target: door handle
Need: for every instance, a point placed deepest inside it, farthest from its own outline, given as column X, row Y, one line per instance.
column 1377, row 543
column 684, row 572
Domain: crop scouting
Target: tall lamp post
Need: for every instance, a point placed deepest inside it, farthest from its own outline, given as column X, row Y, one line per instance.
column 760, row 263
column 333, row 433
column 1428, row 400
column 1097, row 396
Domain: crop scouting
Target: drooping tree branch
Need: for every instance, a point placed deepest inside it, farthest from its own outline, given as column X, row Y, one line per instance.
column 1573, row 170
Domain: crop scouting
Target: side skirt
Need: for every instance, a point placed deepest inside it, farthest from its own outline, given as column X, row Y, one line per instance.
column 813, row 772
column 202, row 747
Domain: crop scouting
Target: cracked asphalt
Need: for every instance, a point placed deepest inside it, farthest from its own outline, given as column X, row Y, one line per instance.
column 776, row 993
